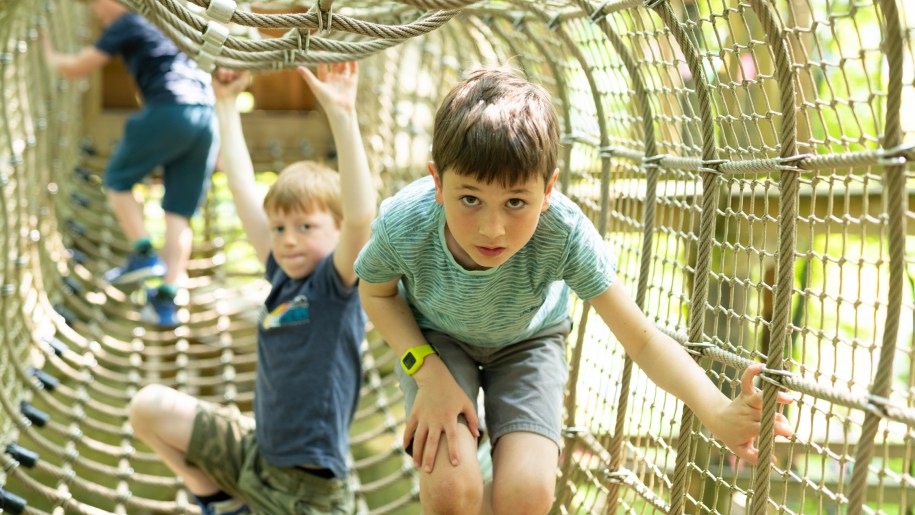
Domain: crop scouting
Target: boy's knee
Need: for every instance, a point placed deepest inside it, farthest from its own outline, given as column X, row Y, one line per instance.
column 523, row 494
column 458, row 493
column 147, row 405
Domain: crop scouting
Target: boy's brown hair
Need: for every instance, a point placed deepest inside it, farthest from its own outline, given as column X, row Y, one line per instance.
column 306, row 186
column 496, row 126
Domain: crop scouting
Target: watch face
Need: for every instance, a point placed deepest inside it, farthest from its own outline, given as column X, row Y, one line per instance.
column 409, row 361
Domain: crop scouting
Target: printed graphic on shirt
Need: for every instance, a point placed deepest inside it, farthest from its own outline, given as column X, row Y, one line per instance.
column 290, row 313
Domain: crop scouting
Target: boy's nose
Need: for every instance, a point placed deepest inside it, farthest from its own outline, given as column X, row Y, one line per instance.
column 492, row 227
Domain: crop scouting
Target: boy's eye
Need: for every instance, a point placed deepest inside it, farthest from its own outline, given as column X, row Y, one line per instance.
column 515, row 203
column 278, row 229
column 304, row 227
column 470, row 201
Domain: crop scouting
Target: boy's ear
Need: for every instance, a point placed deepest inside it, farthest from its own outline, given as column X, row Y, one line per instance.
column 438, row 182
column 549, row 190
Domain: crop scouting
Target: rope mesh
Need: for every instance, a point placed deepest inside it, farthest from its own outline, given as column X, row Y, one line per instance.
column 749, row 162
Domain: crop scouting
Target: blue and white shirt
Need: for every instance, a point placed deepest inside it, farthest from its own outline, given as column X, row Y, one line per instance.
column 494, row 307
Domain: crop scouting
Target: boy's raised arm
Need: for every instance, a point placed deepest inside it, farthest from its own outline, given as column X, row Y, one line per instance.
column 335, row 89
column 736, row 423
column 236, row 161
column 72, row 66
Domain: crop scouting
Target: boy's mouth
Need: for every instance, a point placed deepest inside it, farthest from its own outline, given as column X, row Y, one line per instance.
column 490, row 251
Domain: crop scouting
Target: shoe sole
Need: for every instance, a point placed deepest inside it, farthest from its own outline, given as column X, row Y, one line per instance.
column 139, row 275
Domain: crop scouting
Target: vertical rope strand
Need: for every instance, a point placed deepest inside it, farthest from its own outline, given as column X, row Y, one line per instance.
column 895, row 200
column 648, row 216
column 787, row 236
column 706, row 235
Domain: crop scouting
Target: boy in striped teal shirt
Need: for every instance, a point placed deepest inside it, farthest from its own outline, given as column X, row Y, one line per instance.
column 467, row 277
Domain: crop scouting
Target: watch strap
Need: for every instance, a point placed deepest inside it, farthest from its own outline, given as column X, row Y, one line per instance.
column 413, row 358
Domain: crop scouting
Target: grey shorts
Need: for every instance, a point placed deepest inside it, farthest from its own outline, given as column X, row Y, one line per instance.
column 522, row 383
column 223, row 445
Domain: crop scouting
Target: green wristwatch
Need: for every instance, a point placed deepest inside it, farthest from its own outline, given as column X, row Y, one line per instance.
column 413, row 358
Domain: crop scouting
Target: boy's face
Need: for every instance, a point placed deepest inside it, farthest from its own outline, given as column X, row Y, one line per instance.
column 486, row 224
column 300, row 240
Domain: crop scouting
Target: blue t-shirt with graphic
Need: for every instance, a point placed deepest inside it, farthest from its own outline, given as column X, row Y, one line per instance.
column 163, row 73
column 309, row 373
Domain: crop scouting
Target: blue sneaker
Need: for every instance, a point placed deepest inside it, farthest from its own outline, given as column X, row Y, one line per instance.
column 139, row 268
column 160, row 309
column 227, row 507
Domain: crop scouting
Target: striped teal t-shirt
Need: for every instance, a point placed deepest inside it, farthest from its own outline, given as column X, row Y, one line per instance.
column 494, row 307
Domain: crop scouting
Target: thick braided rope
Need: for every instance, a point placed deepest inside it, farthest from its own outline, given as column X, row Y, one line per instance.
column 293, row 41
column 439, row 4
column 895, row 200
column 784, row 287
column 706, row 234
column 310, row 20
column 296, row 48
column 796, row 383
column 287, row 51
column 184, row 37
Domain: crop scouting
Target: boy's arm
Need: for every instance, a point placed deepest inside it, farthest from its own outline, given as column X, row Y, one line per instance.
column 335, row 89
column 736, row 423
column 72, row 66
column 439, row 399
column 236, row 161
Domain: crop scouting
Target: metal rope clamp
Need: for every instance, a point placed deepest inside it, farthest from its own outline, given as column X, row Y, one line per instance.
column 221, row 10
column 653, row 161
column 712, row 166
column 774, row 377
column 214, row 38
column 896, row 156
column 321, row 12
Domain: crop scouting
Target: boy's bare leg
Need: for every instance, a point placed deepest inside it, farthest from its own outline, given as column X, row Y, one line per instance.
column 163, row 418
column 177, row 251
column 449, row 489
column 524, row 475
column 128, row 210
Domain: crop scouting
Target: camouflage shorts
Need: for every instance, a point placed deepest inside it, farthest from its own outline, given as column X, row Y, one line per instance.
column 223, row 444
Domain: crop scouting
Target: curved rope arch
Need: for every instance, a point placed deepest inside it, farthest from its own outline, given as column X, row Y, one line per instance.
column 725, row 221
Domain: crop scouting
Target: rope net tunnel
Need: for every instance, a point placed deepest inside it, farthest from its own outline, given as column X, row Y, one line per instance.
column 749, row 162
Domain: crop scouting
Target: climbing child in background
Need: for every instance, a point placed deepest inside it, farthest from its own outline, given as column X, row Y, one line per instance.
column 308, row 231
column 467, row 277
column 174, row 129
